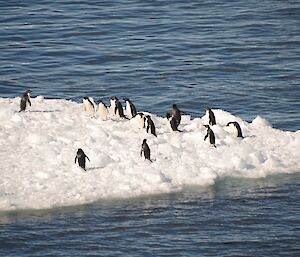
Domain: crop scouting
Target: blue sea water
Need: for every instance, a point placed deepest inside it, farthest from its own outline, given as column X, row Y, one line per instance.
column 240, row 56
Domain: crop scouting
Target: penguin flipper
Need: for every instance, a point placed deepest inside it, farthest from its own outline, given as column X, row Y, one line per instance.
column 205, row 137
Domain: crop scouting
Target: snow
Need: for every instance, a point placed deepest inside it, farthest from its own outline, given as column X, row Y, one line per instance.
column 38, row 149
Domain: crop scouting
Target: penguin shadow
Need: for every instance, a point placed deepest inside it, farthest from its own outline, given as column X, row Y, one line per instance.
column 94, row 168
column 116, row 119
column 46, row 111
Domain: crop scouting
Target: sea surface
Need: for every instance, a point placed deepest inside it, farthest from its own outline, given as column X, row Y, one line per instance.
column 239, row 56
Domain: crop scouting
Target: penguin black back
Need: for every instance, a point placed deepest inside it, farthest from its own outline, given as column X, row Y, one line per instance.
column 80, row 156
column 132, row 110
column 146, row 150
column 119, row 108
column 238, row 128
column 150, row 125
column 173, row 123
column 25, row 100
column 212, row 118
column 176, row 114
column 210, row 134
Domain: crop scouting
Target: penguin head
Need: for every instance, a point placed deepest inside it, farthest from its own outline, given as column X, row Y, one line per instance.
column 140, row 114
column 79, row 151
column 101, row 103
column 207, row 126
column 145, row 141
column 114, row 98
column 28, row 92
column 175, row 106
column 126, row 99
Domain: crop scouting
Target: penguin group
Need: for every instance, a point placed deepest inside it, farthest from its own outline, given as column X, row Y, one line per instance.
column 144, row 121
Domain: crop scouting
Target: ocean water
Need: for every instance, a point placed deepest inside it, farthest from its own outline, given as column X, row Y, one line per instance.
column 239, row 56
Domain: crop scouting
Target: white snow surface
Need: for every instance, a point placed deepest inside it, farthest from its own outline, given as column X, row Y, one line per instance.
column 38, row 149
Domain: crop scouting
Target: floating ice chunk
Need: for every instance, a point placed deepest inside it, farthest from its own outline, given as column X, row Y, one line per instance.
column 38, row 149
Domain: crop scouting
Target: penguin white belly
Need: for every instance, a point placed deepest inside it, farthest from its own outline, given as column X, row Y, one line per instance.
column 128, row 110
column 141, row 122
column 112, row 107
column 103, row 112
column 88, row 107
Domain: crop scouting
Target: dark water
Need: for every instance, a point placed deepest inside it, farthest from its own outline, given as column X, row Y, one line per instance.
column 240, row 56
column 232, row 218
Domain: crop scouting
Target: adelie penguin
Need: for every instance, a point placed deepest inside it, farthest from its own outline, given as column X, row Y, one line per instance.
column 89, row 105
column 140, row 117
column 117, row 106
column 80, row 156
column 176, row 114
column 25, row 101
column 211, row 117
column 173, row 123
column 146, row 150
column 210, row 134
column 149, row 124
column 238, row 128
column 102, row 110
column 130, row 108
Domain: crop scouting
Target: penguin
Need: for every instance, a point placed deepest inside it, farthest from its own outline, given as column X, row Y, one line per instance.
column 211, row 116
column 211, row 136
column 102, row 110
column 173, row 123
column 130, row 108
column 146, row 150
column 140, row 119
column 112, row 104
column 149, row 124
column 238, row 128
column 25, row 101
column 89, row 105
column 118, row 109
column 176, row 114
column 80, row 155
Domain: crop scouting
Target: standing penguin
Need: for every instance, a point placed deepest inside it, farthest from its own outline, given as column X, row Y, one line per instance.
column 238, row 128
column 80, row 155
column 211, row 136
column 173, row 123
column 140, row 119
column 118, row 109
column 150, row 125
column 25, row 101
column 89, row 105
column 211, row 116
column 102, row 110
column 145, row 150
column 130, row 108
column 176, row 114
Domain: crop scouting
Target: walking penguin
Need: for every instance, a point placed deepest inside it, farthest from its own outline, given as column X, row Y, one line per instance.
column 145, row 150
column 80, row 155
